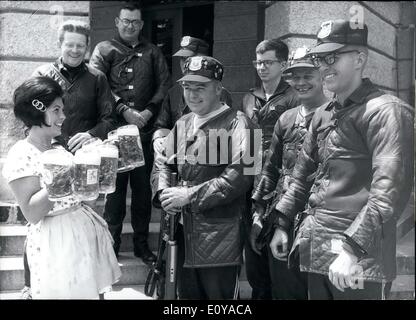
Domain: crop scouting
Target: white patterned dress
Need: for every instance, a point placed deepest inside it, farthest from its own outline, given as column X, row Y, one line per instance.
column 69, row 251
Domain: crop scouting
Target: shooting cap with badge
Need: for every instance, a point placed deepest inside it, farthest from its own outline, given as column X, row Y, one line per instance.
column 191, row 46
column 336, row 34
column 299, row 59
column 202, row 69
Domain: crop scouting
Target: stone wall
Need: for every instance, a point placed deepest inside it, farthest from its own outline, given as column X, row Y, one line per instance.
column 391, row 35
column 238, row 28
column 102, row 17
column 28, row 37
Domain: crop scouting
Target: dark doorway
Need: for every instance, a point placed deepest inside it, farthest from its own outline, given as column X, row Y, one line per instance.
column 198, row 22
column 165, row 25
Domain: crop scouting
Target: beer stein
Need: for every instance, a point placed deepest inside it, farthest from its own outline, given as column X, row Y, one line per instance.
column 57, row 173
column 108, row 167
column 86, row 168
column 113, row 139
column 130, row 148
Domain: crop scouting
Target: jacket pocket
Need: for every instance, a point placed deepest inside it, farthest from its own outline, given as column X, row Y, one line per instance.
column 217, row 240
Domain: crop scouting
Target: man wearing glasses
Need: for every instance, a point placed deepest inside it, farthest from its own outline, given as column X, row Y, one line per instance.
column 139, row 79
column 356, row 168
column 264, row 105
column 289, row 132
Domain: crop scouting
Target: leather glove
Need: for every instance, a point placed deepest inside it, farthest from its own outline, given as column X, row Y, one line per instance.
column 134, row 117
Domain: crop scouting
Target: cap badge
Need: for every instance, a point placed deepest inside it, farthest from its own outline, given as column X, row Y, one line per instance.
column 185, row 41
column 326, row 28
column 300, row 53
column 196, row 64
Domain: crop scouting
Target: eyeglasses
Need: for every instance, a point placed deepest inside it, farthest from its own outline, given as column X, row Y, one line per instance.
column 126, row 22
column 329, row 59
column 267, row 63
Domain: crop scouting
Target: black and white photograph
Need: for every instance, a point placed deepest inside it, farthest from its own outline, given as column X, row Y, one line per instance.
column 207, row 155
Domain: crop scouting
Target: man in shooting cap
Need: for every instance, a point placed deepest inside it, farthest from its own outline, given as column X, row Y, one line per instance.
column 288, row 134
column 190, row 46
column 174, row 105
column 202, row 69
column 212, row 191
column 335, row 35
column 355, row 173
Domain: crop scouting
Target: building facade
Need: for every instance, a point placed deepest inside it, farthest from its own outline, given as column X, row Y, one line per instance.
column 233, row 28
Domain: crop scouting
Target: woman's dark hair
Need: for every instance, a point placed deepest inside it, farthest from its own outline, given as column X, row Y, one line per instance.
column 43, row 89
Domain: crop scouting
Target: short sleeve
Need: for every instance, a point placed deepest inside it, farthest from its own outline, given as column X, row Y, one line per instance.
column 20, row 162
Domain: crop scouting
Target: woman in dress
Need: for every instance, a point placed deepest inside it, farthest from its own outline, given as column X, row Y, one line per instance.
column 69, row 247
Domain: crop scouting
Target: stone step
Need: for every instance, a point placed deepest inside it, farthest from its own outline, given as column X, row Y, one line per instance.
column 12, row 238
column 100, row 210
column 126, row 292
column 11, row 273
column 403, row 288
column 134, row 271
column 405, row 253
column 10, row 212
column 127, row 237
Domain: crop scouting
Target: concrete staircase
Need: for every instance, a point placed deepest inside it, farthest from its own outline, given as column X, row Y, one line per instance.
column 134, row 271
column 12, row 237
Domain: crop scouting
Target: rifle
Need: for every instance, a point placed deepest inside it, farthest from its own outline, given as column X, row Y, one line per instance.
column 156, row 279
column 170, row 281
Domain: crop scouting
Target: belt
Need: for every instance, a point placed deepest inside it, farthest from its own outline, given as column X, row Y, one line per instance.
column 184, row 183
column 63, row 211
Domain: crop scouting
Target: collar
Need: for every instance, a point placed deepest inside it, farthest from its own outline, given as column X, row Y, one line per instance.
column 61, row 67
column 281, row 87
column 141, row 39
column 357, row 97
column 225, row 109
column 302, row 120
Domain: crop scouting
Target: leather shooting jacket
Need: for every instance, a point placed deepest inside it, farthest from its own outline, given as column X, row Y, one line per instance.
column 357, row 163
column 288, row 135
column 139, row 77
column 264, row 113
column 88, row 102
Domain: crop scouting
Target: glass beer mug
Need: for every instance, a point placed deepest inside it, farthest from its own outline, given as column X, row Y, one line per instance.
column 113, row 139
column 86, row 168
column 108, row 167
column 130, row 147
column 57, row 173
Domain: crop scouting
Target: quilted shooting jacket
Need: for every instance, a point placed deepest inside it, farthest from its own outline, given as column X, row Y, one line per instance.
column 212, row 221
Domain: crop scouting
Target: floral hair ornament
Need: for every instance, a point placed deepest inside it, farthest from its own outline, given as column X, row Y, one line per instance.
column 39, row 105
